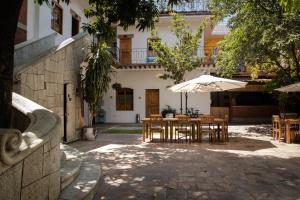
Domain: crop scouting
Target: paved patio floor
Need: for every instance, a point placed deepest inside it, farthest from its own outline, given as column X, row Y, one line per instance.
column 250, row 166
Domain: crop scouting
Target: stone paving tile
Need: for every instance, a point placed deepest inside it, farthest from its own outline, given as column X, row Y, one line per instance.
column 251, row 166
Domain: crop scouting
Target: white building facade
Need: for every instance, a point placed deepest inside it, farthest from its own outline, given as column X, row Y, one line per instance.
column 39, row 21
column 142, row 92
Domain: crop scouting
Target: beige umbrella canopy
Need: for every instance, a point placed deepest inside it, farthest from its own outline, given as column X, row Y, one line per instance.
column 207, row 83
column 290, row 88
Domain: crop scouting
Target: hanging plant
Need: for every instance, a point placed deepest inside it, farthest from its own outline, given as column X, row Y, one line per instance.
column 116, row 86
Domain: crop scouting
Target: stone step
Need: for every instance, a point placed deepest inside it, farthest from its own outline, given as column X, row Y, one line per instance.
column 70, row 152
column 85, row 185
column 71, row 161
column 69, row 171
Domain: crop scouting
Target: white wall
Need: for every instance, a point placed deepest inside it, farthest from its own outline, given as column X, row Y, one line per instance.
column 139, row 40
column 39, row 20
column 139, row 81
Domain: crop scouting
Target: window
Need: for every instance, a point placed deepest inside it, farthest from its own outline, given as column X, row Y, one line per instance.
column 75, row 23
column 124, row 99
column 57, row 18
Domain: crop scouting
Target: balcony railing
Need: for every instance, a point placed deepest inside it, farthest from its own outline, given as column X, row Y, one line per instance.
column 185, row 7
column 144, row 56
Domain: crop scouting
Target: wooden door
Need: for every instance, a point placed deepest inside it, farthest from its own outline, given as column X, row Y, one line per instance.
column 125, row 50
column 69, row 113
column 152, row 101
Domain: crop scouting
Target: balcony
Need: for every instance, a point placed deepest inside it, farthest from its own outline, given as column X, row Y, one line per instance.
column 192, row 7
column 143, row 56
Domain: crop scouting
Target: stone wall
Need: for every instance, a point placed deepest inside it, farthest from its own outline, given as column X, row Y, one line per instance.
column 36, row 177
column 30, row 161
column 43, row 81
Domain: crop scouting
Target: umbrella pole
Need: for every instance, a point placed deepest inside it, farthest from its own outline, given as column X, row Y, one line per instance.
column 181, row 103
column 186, row 99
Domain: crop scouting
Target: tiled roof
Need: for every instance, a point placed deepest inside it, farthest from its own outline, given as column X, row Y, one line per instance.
column 148, row 66
column 163, row 14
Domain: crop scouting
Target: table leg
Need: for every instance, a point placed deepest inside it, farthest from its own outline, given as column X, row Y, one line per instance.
column 223, row 132
column 171, row 131
column 166, row 131
column 143, row 131
column 288, row 133
column 199, row 132
column 193, row 131
column 147, row 130
column 218, row 131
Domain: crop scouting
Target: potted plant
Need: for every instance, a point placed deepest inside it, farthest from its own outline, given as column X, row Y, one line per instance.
column 95, row 81
column 116, row 86
column 167, row 111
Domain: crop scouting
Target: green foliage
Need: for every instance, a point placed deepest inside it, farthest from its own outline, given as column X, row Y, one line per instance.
column 179, row 58
column 262, row 36
column 96, row 78
column 290, row 5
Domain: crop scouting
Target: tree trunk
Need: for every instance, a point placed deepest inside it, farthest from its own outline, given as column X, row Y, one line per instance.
column 9, row 15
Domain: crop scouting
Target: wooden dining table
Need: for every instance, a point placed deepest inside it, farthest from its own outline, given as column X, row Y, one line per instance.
column 169, row 124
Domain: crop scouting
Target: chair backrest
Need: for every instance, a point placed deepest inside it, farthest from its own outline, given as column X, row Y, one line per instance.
column 288, row 115
column 206, row 119
column 226, row 121
column 156, row 120
column 276, row 122
column 226, row 118
column 183, row 120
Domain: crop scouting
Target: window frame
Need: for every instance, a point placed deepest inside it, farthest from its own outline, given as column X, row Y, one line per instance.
column 59, row 21
column 124, row 99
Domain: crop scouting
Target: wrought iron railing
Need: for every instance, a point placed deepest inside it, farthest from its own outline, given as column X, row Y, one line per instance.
column 191, row 6
column 145, row 56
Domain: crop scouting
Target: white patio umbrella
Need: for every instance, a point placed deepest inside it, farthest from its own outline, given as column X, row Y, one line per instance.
column 207, row 83
column 290, row 88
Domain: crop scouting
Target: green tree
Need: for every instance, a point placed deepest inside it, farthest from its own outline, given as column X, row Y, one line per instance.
column 179, row 58
column 290, row 5
column 262, row 36
column 96, row 76
column 106, row 12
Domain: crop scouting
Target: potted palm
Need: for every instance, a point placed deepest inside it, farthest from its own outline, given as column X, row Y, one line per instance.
column 95, row 81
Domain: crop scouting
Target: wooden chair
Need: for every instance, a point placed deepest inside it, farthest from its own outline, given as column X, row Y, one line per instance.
column 293, row 128
column 276, row 127
column 206, row 126
column 156, row 126
column 183, row 126
column 296, row 129
column 224, row 128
